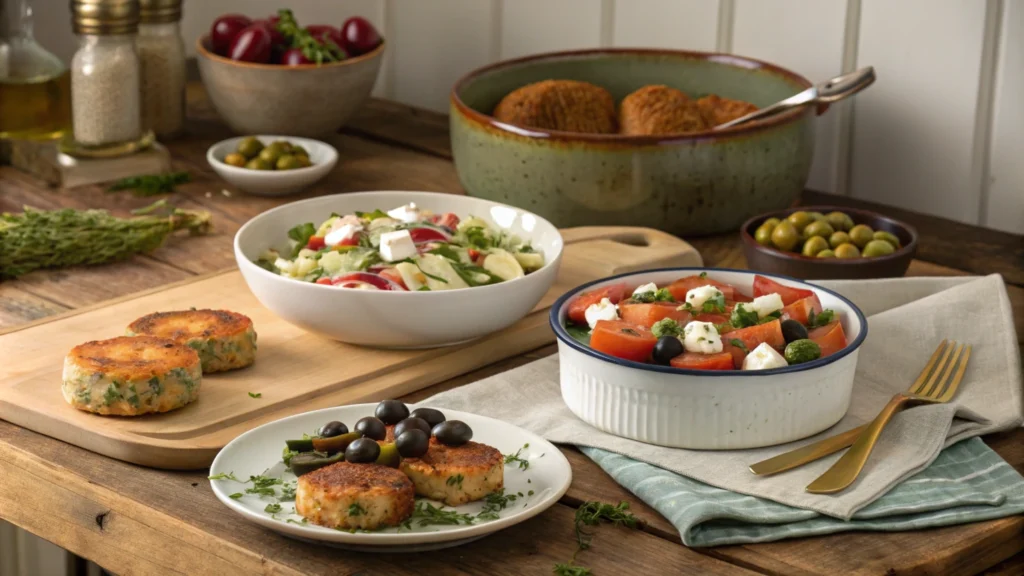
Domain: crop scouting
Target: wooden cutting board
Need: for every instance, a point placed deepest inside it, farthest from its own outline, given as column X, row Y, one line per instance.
column 294, row 371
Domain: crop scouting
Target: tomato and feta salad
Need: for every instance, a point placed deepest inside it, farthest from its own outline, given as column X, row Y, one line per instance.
column 407, row 248
column 700, row 324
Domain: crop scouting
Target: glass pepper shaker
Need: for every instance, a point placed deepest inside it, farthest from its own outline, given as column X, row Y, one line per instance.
column 106, row 115
column 162, row 54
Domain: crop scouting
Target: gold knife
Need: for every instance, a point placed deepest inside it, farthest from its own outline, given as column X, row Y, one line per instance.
column 808, row 453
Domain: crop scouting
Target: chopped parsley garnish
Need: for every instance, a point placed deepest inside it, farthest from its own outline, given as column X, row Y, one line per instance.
column 111, row 395
column 272, row 508
column 703, row 275
column 515, row 459
column 356, row 510
column 591, row 514
column 454, row 480
column 255, row 395
column 821, row 319
column 739, row 344
column 496, row 502
column 290, row 521
column 223, row 476
column 478, row 238
column 715, row 304
column 288, row 492
column 666, row 327
column 662, row 295
column 236, row 495
column 263, row 485
column 426, row 514
column 742, row 317
column 423, row 288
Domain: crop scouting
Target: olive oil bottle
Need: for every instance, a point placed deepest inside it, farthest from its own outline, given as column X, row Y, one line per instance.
column 35, row 86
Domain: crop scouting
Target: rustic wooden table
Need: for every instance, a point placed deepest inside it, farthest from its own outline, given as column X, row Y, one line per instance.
column 133, row 520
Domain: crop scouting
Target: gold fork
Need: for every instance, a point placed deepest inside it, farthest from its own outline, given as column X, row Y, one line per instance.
column 833, row 444
column 939, row 389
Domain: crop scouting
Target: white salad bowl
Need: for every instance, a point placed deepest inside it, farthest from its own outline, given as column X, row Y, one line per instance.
column 396, row 319
column 706, row 409
column 274, row 182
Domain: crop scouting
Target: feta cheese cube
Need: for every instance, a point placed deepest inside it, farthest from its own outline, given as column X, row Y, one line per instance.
column 649, row 287
column 765, row 305
column 698, row 296
column 341, row 234
column 701, row 337
column 397, row 245
column 407, row 213
column 603, row 310
column 764, row 357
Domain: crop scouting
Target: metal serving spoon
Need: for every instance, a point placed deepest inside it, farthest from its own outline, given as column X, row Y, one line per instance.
column 833, row 90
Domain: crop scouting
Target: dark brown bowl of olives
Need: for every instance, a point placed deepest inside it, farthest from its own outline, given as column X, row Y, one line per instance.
column 272, row 165
column 828, row 242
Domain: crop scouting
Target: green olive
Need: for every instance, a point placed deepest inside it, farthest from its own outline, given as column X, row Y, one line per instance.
column 813, row 245
column 818, row 216
column 826, row 254
column 772, row 222
column 284, row 145
column 274, row 151
column 838, row 238
column 235, row 159
column 878, row 248
column 763, row 235
column 847, row 251
column 258, row 164
column 299, row 150
column 288, row 162
column 888, row 237
column 840, row 221
column 785, row 236
column 250, row 147
column 303, row 160
column 861, row 234
column 818, row 228
column 800, row 220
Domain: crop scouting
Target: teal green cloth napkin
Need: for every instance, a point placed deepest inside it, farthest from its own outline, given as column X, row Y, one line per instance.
column 968, row 482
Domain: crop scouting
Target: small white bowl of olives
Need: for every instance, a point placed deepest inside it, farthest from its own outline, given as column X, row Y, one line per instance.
column 268, row 165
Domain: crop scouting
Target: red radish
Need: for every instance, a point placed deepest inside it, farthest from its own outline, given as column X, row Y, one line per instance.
column 224, row 30
column 379, row 282
column 393, row 275
column 295, row 57
column 358, row 36
column 251, row 45
column 315, row 243
column 428, row 235
column 276, row 38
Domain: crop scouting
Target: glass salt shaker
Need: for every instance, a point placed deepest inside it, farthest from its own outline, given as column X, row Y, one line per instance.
column 162, row 54
column 106, row 115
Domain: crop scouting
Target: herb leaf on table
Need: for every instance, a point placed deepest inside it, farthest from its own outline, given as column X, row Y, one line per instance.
column 151, row 184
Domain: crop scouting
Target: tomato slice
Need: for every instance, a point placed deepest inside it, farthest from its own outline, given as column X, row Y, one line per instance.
column 647, row 314
column 325, row 281
column 315, row 243
column 830, row 338
column 680, row 287
column 738, row 296
column 623, row 340
column 801, row 309
column 694, row 361
column 578, row 306
column 764, row 286
column 420, row 235
column 753, row 336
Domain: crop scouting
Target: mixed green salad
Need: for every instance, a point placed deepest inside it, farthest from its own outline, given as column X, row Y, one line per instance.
column 407, row 248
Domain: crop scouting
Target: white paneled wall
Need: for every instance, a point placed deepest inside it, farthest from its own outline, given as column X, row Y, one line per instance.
column 940, row 132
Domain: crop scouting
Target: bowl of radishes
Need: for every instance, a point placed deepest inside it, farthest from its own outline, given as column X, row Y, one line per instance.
column 274, row 75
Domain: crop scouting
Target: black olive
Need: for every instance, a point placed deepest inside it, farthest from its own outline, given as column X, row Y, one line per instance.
column 432, row 416
column 667, row 348
column 332, row 429
column 392, row 411
column 452, row 433
column 362, row 451
column 412, row 423
column 371, row 428
column 412, row 443
column 793, row 331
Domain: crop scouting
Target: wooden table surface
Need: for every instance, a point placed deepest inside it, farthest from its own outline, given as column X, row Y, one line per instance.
column 133, row 520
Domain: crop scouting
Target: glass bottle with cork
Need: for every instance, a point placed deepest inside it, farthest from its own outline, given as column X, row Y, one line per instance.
column 106, row 114
column 162, row 53
column 35, row 86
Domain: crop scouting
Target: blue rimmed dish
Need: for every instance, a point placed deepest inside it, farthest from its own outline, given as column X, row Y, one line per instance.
column 701, row 409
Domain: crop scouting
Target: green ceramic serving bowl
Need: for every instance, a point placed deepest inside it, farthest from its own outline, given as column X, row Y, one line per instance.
column 700, row 183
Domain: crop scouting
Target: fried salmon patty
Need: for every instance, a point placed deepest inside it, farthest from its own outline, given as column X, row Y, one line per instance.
column 131, row 375
column 224, row 340
column 346, row 495
column 659, row 110
column 456, row 474
column 567, row 105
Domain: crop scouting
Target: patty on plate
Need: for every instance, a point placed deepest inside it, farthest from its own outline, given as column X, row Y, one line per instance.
column 224, row 340
column 346, row 495
column 131, row 375
column 567, row 105
column 659, row 109
column 456, row 474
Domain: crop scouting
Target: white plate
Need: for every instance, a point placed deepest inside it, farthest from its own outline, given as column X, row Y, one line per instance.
column 258, row 452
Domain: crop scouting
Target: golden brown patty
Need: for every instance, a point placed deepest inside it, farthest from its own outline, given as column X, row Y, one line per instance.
column 717, row 110
column 224, row 340
column 659, row 110
column 456, row 474
column 346, row 495
column 566, row 105
column 131, row 375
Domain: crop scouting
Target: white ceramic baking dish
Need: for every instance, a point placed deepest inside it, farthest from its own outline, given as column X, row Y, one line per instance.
column 713, row 410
